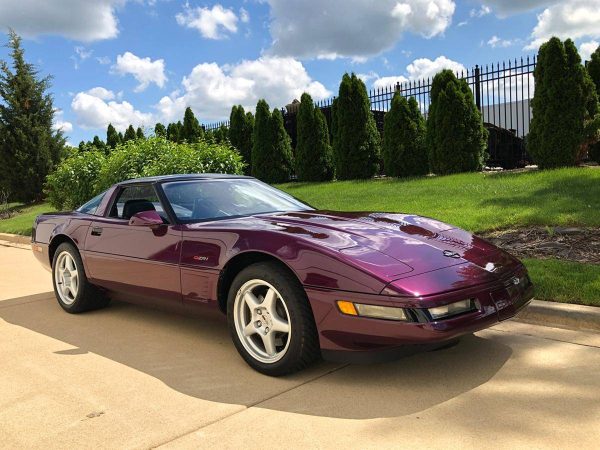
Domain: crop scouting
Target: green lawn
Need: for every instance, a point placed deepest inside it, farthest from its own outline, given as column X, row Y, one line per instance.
column 564, row 281
column 476, row 202
column 22, row 222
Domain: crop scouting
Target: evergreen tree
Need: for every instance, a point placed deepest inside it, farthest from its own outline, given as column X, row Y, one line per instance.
column 98, row 144
column 272, row 149
column 139, row 133
column 192, row 131
column 29, row 147
column 456, row 139
column 404, row 150
column 593, row 69
column 313, row 151
column 120, row 138
column 172, row 132
column 112, row 137
column 160, row 130
column 129, row 134
column 560, row 107
column 241, row 125
column 356, row 144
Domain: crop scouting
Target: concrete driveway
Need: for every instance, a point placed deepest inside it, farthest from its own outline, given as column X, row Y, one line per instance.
column 131, row 377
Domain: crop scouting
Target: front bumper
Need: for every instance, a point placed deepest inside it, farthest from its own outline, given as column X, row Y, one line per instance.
column 358, row 339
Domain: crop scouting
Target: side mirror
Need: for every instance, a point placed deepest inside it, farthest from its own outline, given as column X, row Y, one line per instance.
column 146, row 219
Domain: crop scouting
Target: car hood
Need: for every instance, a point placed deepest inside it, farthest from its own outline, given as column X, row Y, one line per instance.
column 421, row 244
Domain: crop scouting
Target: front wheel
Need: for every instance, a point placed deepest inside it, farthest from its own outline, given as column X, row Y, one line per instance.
column 72, row 289
column 270, row 320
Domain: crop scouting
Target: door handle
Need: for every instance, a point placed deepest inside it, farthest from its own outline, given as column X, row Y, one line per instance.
column 96, row 231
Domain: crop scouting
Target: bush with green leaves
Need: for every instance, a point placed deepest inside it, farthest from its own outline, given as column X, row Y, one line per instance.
column 84, row 174
column 564, row 109
column 241, row 126
column 202, row 157
column 404, row 149
column 73, row 181
column 456, row 139
column 356, row 141
column 314, row 158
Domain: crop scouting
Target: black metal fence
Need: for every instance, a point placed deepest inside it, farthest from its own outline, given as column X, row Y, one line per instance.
column 502, row 92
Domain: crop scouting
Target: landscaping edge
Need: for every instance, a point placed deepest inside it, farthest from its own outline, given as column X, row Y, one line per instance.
column 15, row 238
column 539, row 312
column 561, row 315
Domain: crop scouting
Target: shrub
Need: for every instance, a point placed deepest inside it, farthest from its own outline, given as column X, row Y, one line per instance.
column 73, row 181
column 356, row 142
column 313, row 151
column 271, row 148
column 560, row 107
column 202, row 157
column 456, row 139
column 241, row 125
column 593, row 69
column 404, row 150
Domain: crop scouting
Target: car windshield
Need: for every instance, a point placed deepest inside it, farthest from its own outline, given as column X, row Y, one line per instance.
column 198, row 200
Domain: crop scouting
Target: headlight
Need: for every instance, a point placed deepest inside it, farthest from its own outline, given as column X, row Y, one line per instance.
column 453, row 309
column 372, row 311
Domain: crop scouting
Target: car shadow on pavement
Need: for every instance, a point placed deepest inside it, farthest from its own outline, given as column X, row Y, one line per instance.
column 194, row 356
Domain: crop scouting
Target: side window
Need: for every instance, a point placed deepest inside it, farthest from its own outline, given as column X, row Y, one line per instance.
column 91, row 206
column 135, row 199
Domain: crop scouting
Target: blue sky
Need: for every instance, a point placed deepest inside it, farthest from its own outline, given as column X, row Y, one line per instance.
column 142, row 61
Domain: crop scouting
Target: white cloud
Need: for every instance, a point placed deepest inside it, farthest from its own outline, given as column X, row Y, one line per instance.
column 587, row 48
column 96, row 109
column 74, row 19
column 496, row 42
column 101, row 93
column 420, row 69
column 211, row 89
column 573, row 19
column 244, row 15
column 212, row 23
column 426, row 68
column 81, row 54
column 505, row 8
column 484, row 10
column 60, row 124
column 104, row 60
column 384, row 82
column 144, row 70
column 352, row 28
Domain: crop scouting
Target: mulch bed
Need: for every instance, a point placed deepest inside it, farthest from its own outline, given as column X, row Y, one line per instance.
column 567, row 243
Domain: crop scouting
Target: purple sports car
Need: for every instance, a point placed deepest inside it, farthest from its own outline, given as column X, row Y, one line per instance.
column 295, row 283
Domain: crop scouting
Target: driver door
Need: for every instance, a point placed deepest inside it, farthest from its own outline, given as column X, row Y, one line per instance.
column 138, row 261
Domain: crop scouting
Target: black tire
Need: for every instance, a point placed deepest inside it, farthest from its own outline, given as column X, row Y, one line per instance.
column 88, row 296
column 303, row 347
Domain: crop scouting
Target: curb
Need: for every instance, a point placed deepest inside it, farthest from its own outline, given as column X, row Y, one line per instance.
column 561, row 315
column 15, row 238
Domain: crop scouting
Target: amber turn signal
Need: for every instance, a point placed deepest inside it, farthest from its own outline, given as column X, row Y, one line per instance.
column 347, row 307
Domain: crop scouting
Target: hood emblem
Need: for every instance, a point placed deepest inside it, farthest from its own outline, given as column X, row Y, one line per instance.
column 491, row 267
column 451, row 254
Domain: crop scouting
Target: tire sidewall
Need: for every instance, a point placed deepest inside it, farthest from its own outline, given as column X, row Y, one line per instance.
column 66, row 247
column 293, row 294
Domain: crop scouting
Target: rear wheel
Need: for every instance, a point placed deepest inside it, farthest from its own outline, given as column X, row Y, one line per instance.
column 270, row 320
column 72, row 289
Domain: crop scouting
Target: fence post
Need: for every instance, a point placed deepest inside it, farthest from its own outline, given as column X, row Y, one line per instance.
column 477, row 87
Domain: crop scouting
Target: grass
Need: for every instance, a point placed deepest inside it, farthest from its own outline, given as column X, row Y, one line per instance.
column 565, row 281
column 477, row 201
column 21, row 222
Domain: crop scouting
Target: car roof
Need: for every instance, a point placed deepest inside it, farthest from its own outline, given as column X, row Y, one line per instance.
column 184, row 177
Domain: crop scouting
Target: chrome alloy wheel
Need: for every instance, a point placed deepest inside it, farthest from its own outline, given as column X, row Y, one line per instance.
column 66, row 278
column 262, row 321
